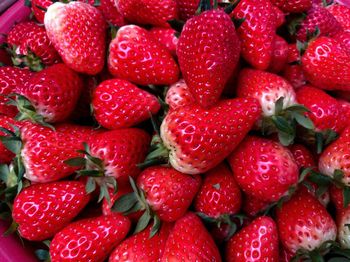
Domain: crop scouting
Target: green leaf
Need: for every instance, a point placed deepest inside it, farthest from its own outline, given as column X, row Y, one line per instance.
column 86, row 172
column 238, row 22
column 319, row 142
column 42, row 254
column 316, row 256
column 346, row 196
column 104, row 194
column 125, row 203
column 156, row 226
column 329, row 136
column 216, row 186
column 206, row 218
column 76, row 161
column 304, row 121
column 177, row 25
column 282, row 124
column 97, row 2
column 279, row 105
column 286, row 139
column 14, row 144
column 143, row 222
column 297, row 108
column 90, row 185
column 97, row 161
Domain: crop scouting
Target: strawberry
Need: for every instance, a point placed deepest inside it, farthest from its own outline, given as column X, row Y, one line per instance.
column 295, row 75
column 52, row 92
column 77, row 31
column 41, row 210
column 149, row 12
column 343, row 220
column 134, row 55
column 257, row 31
column 90, row 239
column 206, row 68
column 325, row 64
column 18, row 33
column 110, row 11
column 187, row 8
column 10, row 79
column 344, row 39
column 279, row 55
column 37, row 6
column 342, row 14
column 140, row 247
column 256, row 242
column 219, row 194
column 119, row 104
column 280, row 16
column 304, row 224
column 345, row 107
column 264, row 168
column 165, row 36
column 5, row 59
column 6, row 122
column 178, row 95
column 252, row 206
column 302, row 156
column 190, row 241
column 293, row 6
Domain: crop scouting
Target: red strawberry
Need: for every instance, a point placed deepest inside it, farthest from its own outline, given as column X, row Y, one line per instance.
column 303, row 223
column 280, row 17
column 90, row 239
column 10, row 79
column 293, row 53
column 344, row 39
column 178, row 95
column 135, row 56
column 41, row 210
column 326, row 64
column 295, row 75
column 293, row 6
column 190, row 241
column 342, row 14
column 149, row 12
column 252, row 206
column 205, row 67
column 187, row 8
column 5, row 59
column 199, row 139
column 37, row 6
column 279, row 55
column 77, row 31
column 264, row 168
column 140, row 247
column 219, row 193
column 345, row 106
column 165, row 36
column 110, row 12
column 257, row 31
column 256, row 242
column 119, row 104
column 6, row 122
column 17, row 33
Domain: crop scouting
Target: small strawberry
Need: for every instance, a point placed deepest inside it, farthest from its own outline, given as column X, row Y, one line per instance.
column 205, row 67
column 279, row 55
column 252, row 206
column 257, row 31
column 187, row 8
column 41, row 210
column 167, row 37
column 295, row 75
column 149, row 12
column 119, row 104
column 110, row 11
column 178, row 95
column 280, row 16
column 83, row 48
column 264, row 168
column 190, row 241
column 90, row 239
column 17, row 33
column 134, row 55
column 345, row 107
column 302, row 156
column 256, row 242
column 342, row 14
column 293, row 6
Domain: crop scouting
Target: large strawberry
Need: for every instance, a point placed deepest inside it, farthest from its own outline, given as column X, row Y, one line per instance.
column 178, row 95
column 264, row 168
column 41, row 210
column 119, row 104
column 326, row 64
column 77, row 31
column 205, row 67
column 256, row 242
column 190, row 241
column 293, row 6
column 342, row 14
column 134, row 55
column 90, row 239
column 257, row 31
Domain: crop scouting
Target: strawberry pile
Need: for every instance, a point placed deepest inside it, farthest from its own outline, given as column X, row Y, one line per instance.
column 178, row 130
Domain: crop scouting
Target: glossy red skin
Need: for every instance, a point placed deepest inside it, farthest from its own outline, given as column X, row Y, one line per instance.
column 285, row 255
column 280, row 16
column 293, row 53
column 345, row 105
column 200, row 139
column 256, row 242
column 325, row 111
column 279, row 55
column 119, row 104
column 344, row 39
column 178, row 95
column 219, row 193
column 44, row 150
column 18, row 32
column 189, row 240
column 325, row 64
column 295, row 75
column 110, row 12
column 10, row 79
column 304, row 223
column 83, row 47
column 342, row 14
column 167, row 191
column 165, row 36
column 140, row 247
column 121, row 150
column 206, row 68
column 252, row 206
column 302, row 156
column 7, row 122
column 41, row 210
column 294, row 6
column 263, row 168
column 257, row 32
column 38, row 13
column 90, row 239
column 137, row 57
column 148, row 12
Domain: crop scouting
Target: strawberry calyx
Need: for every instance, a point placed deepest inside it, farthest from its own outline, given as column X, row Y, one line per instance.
column 44, row 254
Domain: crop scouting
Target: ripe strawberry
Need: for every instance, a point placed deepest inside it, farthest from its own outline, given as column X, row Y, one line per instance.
column 256, row 242
column 279, row 55
column 205, row 67
column 219, row 194
column 302, row 156
column 110, row 12
column 119, row 104
column 165, row 36
column 325, row 64
column 280, row 16
column 264, row 168
column 293, row 53
column 303, row 223
column 140, row 247
column 83, row 48
column 6, row 122
column 37, row 8
column 345, row 107
column 178, row 95
column 344, row 39
column 10, row 79
column 17, row 33
column 342, row 14
column 295, row 76
column 199, row 139
column 135, row 56
column 257, row 31
column 252, row 206
column 5, row 59
column 190, row 241
column 149, row 12
column 41, row 210
column 293, row 6
column 90, row 239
